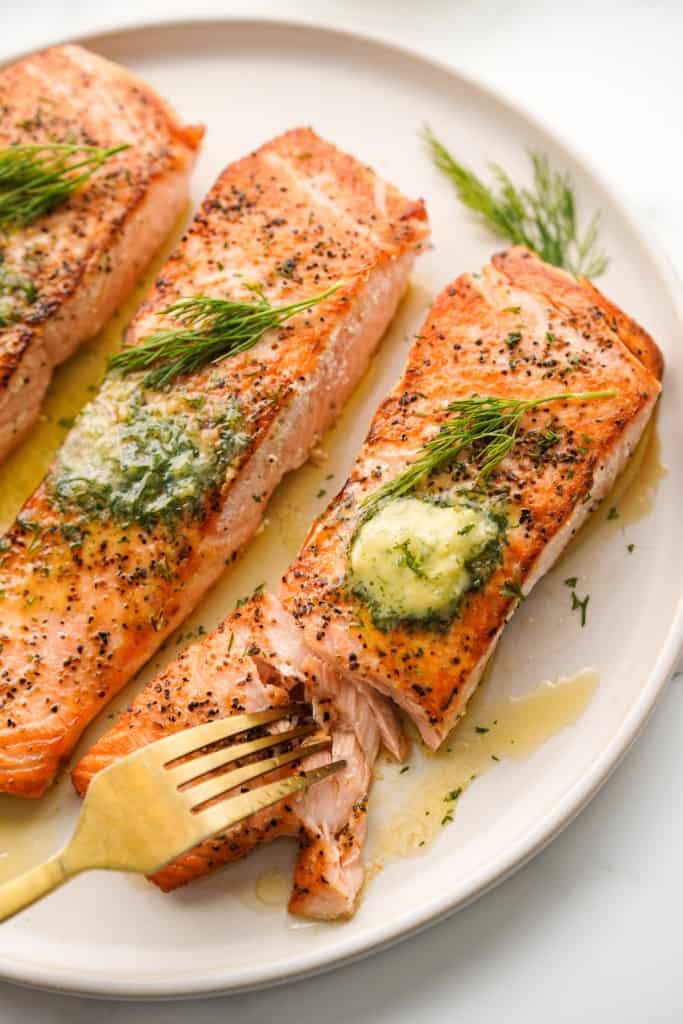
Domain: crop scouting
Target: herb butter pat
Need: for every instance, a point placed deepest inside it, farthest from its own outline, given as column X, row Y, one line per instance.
column 137, row 460
column 413, row 560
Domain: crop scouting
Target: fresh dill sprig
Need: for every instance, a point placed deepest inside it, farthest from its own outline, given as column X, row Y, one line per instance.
column 542, row 218
column 487, row 423
column 212, row 329
column 34, row 179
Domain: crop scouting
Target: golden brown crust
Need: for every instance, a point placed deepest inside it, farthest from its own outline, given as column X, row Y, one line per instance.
column 580, row 296
column 636, row 338
column 523, row 330
column 261, row 207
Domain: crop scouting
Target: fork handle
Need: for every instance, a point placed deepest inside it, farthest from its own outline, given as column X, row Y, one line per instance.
column 25, row 889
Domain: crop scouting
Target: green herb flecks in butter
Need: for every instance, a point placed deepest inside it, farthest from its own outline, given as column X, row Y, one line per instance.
column 413, row 560
column 134, row 457
column 16, row 293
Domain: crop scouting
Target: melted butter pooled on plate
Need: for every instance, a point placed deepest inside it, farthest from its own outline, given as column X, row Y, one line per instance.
column 634, row 492
column 273, row 888
column 31, row 831
column 491, row 732
column 73, row 384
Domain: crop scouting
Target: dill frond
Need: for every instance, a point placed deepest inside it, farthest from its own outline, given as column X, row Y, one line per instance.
column 35, row 179
column 487, row 424
column 542, row 217
column 212, row 330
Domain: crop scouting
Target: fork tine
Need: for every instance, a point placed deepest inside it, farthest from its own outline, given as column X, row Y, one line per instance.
column 198, row 766
column 199, row 794
column 189, row 740
column 221, row 816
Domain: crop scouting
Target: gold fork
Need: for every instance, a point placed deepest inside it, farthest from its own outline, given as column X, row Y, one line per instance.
column 147, row 809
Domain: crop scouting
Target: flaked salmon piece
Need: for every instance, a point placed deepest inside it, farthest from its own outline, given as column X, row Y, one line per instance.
column 255, row 660
column 154, row 492
column 522, row 329
column 71, row 268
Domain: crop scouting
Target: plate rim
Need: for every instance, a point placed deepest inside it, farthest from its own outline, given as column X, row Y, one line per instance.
column 546, row 829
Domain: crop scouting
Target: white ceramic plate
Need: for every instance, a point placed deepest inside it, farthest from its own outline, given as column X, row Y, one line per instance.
column 113, row 935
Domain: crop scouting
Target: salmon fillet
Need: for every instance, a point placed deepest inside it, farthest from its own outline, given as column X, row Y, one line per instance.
column 154, row 492
column 255, row 660
column 79, row 261
column 521, row 329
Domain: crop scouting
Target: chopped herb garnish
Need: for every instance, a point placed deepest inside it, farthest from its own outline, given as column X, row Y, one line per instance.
column 410, row 559
column 513, row 339
column 74, row 535
column 454, row 793
column 258, row 589
column 541, row 217
column 33, row 528
column 16, row 291
column 481, row 729
column 321, row 493
column 613, row 514
column 581, row 605
column 571, row 581
column 404, row 769
column 631, row 548
column 513, row 589
column 545, row 440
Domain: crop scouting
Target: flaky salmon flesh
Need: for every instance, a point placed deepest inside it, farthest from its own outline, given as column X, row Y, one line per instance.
column 63, row 275
column 523, row 330
column 256, row 659
column 154, row 492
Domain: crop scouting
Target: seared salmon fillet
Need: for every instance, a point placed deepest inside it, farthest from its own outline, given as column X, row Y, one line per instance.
column 256, row 659
column 154, row 491
column 63, row 275
column 410, row 593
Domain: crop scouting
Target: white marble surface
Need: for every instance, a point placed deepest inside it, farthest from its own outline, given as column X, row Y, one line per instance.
column 591, row 929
